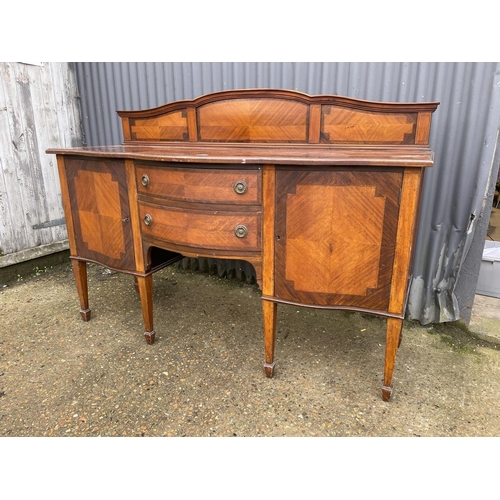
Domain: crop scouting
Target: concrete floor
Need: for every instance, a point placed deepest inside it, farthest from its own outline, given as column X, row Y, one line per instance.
column 60, row 376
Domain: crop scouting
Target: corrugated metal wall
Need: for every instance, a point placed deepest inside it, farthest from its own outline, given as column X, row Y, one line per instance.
column 457, row 191
column 38, row 110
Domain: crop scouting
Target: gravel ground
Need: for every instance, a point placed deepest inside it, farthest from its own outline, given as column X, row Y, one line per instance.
column 60, row 376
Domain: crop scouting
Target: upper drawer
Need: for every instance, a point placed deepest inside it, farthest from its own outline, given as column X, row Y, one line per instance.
column 206, row 185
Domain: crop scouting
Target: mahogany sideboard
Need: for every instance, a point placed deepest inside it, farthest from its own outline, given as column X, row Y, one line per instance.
column 319, row 193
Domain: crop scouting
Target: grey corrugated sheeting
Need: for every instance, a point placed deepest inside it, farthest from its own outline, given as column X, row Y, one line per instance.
column 464, row 138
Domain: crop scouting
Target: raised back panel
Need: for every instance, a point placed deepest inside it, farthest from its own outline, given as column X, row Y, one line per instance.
column 351, row 126
column 279, row 116
column 254, row 120
column 168, row 127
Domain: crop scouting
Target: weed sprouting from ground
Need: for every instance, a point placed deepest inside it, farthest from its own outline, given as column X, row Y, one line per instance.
column 458, row 336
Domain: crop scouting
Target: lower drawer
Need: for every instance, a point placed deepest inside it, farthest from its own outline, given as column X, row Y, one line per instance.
column 237, row 231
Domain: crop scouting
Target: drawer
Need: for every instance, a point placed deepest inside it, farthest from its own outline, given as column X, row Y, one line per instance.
column 202, row 229
column 205, row 185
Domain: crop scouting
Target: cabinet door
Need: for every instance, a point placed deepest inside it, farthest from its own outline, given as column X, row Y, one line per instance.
column 100, row 211
column 336, row 236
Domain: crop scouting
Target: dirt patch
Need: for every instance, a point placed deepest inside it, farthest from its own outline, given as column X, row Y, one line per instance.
column 60, row 376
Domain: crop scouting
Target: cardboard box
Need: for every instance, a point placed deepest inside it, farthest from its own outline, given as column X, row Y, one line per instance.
column 488, row 282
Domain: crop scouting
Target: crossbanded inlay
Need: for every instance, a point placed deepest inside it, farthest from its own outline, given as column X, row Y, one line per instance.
column 325, row 245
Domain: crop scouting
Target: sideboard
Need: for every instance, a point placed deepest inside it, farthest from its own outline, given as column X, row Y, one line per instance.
column 319, row 193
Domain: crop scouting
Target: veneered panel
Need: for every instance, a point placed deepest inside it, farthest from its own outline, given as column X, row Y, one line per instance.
column 335, row 236
column 99, row 206
column 253, row 120
column 200, row 184
column 350, row 126
column 327, row 244
column 201, row 229
column 84, row 190
column 113, row 242
column 107, row 195
column 90, row 233
column 170, row 127
column 100, row 213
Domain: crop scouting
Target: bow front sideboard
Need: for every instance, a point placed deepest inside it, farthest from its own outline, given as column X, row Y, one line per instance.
column 319, row 193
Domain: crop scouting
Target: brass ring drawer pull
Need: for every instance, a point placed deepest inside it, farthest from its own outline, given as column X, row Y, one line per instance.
column 240, row 231
column 145, row 180
column 240, row 187
column 148, row 220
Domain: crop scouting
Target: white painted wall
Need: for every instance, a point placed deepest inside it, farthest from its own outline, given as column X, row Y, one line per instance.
column 39, row 108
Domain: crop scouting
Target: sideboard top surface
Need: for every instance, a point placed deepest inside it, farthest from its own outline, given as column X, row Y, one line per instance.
column 409, row 156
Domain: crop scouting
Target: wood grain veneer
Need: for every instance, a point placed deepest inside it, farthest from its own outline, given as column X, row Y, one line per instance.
column 319, row 193
column 100, row 211
column 197, row 228
column 323, row 225
column 199, row 185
